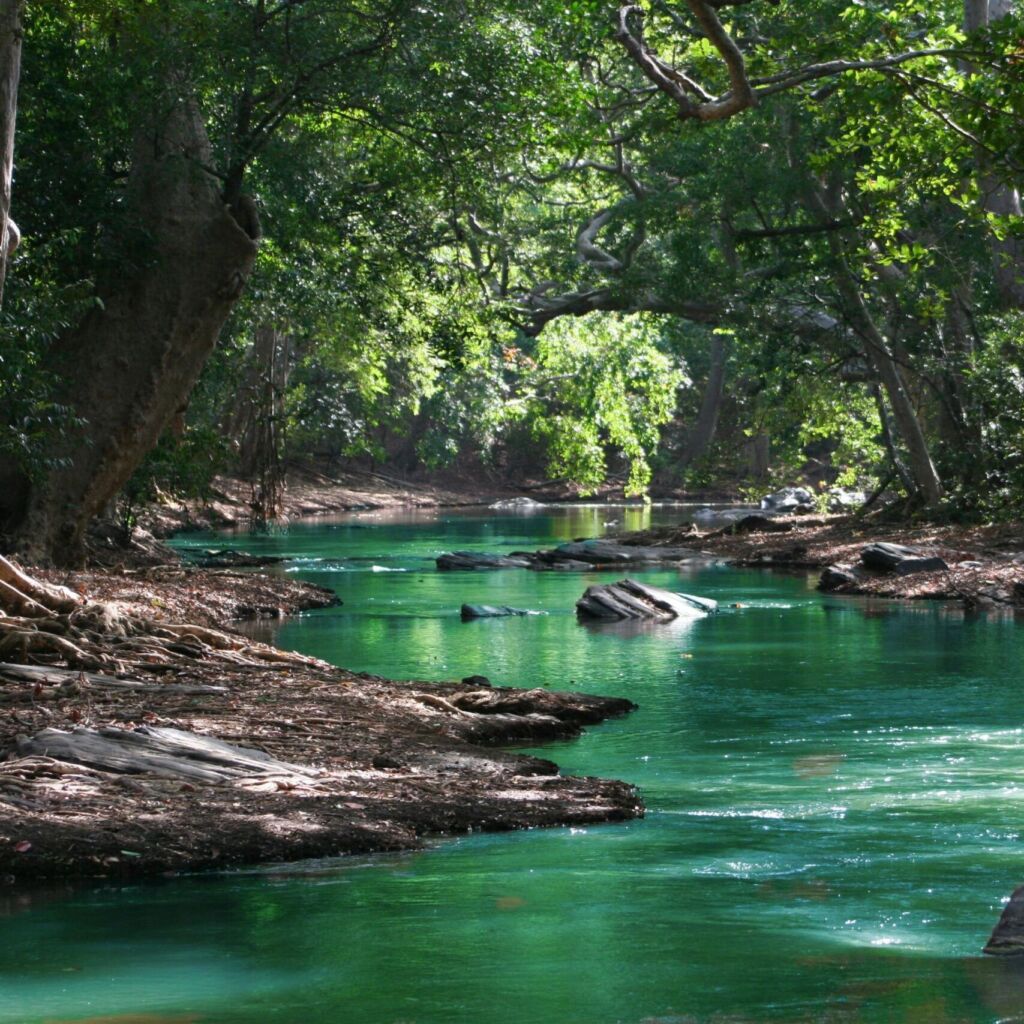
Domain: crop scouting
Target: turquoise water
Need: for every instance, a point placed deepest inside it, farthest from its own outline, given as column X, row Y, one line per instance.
column 835, row 795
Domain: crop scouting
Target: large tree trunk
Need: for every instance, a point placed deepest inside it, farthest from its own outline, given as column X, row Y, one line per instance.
column 129, row 367
column 10, row 69
column 703, row 431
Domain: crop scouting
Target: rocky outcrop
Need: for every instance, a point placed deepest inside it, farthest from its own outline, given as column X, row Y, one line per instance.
column 630, row 599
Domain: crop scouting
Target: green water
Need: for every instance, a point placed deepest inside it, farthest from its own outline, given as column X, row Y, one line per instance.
column 835, row 812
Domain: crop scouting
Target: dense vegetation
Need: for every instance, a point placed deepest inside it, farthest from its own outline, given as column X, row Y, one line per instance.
column 695, row 241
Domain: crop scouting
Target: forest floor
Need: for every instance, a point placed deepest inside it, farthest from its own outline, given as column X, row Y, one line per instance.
column 985, row 563
column 96, row 781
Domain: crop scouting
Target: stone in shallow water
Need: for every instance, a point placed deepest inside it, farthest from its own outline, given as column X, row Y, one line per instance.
column 493, row 611
column 630, row 599
column 478, row 560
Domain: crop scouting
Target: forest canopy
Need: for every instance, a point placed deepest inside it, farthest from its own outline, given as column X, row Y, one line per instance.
column 669, row 244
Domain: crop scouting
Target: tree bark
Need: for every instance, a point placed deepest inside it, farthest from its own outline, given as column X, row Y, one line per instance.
column 10, row 69
column 703, row 432
column 130, row 365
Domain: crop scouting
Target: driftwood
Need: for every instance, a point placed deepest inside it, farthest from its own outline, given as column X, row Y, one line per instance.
column 630, row 599
column 169, row 753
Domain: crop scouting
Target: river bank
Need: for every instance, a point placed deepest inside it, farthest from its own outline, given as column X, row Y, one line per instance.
column 108, row 701
column 984, row 565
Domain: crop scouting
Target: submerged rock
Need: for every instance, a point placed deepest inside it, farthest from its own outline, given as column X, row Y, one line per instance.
column 492, row 611
column 591, row 553
column 630, row 599
column 478, row 560
column 226, row 558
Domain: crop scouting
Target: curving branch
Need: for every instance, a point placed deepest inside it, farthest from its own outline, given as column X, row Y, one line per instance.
column 694, row 102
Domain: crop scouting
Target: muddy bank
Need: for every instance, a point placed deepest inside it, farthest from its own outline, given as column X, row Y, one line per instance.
column 983, row 564
column 96, row 696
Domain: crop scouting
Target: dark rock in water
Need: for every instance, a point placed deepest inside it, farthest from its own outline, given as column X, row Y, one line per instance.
column 605, row 552
column 1007, row 938
column 492, row 611
column 789, row 499
column 476, row 681
column 837, row 577
column 927, row 564
column 479, row 560
column 630, row 599
column 754, row 524
column 226, row 558
column 886, row 556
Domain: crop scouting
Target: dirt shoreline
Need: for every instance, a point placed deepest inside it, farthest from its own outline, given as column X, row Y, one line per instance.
column 985, row 564
column 370, row 764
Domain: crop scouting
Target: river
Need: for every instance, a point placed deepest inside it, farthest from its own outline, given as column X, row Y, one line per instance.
column 834, row 793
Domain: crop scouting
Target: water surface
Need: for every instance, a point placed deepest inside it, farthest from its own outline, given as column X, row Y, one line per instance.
column 835, row 816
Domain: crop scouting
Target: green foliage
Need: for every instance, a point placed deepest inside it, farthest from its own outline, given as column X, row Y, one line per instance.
column 600, row 386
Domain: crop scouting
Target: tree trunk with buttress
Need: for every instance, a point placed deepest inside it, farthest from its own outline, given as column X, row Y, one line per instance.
column 130, row 365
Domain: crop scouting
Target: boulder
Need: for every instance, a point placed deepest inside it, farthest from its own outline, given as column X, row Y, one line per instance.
column 630, row 599
column 900, row 558
column 789, row 499
column 478, row 560
column 885, row 556
column 492, row 611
